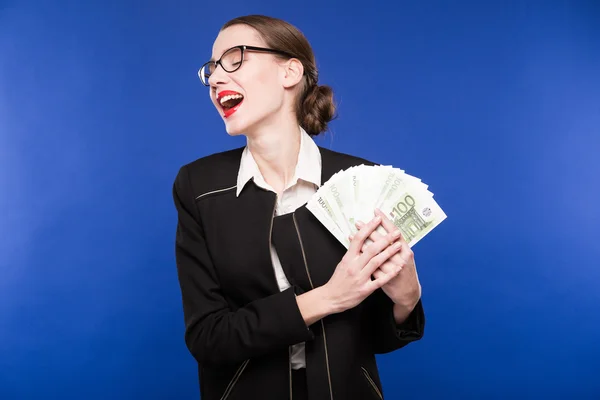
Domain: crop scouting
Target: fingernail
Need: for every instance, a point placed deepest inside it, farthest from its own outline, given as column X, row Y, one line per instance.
column 397, row 233
column 359, row 224
column 378, row 219
column 397, row 245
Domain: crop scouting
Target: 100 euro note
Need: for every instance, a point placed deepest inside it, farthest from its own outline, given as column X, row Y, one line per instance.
column 391, row 183
column 321, row 208
column 352, row 195
column 369, row 181
column 339, row 192
column 414, row 213
column 407, row 203
column 333, row 206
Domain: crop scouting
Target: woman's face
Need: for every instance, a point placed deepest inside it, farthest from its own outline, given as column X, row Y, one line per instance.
column 259, row 82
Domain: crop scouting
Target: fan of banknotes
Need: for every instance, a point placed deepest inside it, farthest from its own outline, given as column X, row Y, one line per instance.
column 353, row 194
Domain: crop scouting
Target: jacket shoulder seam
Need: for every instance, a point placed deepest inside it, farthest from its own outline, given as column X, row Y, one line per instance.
column 217, row 191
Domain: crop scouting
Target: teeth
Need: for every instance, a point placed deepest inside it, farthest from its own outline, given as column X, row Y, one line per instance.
column 229, row 97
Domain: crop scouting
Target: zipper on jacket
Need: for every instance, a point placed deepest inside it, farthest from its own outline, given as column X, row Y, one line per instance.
column 271, row 237
column 234, row 380
column 277, row 284
column 312, row 287
column 290, row 369
column 366, row 374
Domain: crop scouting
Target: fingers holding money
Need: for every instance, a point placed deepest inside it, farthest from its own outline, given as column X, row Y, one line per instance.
column 389, row 226
column 352, row 281
column 400, row 258
column 356, row 246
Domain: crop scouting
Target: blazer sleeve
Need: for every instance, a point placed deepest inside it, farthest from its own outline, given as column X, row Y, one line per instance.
column 214, row 333
column 386, row 334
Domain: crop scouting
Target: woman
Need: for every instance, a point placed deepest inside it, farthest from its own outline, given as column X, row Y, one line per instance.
column 274, row 306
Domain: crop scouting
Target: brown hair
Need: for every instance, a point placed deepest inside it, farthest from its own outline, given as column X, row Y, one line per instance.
column 314, row 105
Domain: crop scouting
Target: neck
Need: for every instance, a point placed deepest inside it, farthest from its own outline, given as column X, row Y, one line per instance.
column 275, row 150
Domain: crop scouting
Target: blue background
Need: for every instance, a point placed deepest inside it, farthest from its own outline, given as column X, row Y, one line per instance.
column 496, row 105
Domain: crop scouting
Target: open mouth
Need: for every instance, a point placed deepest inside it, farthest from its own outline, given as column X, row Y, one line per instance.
column 230, row 101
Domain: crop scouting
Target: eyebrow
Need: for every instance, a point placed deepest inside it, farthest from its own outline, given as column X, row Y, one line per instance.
column 212, row 59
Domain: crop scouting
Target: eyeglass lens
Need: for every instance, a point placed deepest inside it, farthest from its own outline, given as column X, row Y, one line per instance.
column 230, row 61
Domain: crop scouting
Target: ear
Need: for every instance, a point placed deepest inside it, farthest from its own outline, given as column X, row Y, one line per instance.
column 292, row 72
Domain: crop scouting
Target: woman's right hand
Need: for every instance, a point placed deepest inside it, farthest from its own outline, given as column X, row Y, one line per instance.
column 351, row 281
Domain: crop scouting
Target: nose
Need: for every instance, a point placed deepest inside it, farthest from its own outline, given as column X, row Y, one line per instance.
column 219, row 76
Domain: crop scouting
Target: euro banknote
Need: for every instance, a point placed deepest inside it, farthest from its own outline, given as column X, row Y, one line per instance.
column 353, row 194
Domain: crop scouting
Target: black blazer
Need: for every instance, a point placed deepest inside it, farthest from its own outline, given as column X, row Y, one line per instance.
column 238, row 325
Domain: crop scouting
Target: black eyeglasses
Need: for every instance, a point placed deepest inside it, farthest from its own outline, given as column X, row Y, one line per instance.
column 232, row 60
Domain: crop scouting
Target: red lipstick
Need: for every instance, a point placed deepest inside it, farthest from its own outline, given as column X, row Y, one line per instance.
column 228, row 110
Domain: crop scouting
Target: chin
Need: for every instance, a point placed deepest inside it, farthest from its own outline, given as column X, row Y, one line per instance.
column 239, row 126
column 233, row 129
column 245, row 122
column 233, row 133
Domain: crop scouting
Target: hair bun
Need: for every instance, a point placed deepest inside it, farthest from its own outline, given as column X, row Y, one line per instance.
column 317, row 109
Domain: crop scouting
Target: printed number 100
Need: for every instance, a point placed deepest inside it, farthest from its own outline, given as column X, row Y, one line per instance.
column 403, row 206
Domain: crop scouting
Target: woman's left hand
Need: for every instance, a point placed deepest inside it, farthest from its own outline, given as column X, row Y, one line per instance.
column 405, row 288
